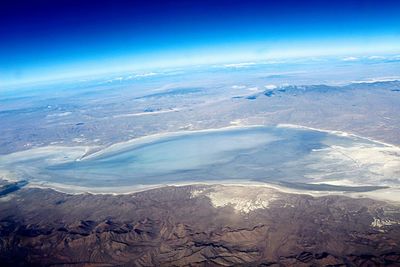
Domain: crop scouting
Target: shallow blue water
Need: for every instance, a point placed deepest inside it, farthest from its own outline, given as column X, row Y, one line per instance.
column 251, row 154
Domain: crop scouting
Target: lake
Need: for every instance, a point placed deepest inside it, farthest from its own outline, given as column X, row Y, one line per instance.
column 287, row 156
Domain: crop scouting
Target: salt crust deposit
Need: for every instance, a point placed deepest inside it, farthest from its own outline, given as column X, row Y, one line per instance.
column 379, row 223
column 242, row 199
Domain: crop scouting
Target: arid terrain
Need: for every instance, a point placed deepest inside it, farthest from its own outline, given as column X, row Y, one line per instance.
column 197, row 226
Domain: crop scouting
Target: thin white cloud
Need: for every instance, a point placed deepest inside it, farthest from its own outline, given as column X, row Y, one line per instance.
column 253, row 89
column 376, row 57
column 147, row 74
column 270, row 86
column 350, row 58
column 238, row 86
column 239, row 65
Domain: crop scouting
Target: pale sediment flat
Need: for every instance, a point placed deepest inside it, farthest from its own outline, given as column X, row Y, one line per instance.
column 380, row 79
column 288, row 158
column 145, row 113
column 334, row 132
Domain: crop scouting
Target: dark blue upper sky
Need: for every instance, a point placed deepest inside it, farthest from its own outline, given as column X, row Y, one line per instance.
column 45, row 39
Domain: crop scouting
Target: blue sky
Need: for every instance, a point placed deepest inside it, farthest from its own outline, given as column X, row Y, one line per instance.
column 43, row 40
